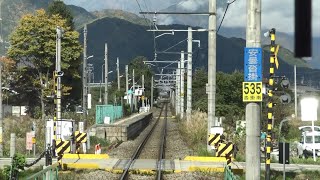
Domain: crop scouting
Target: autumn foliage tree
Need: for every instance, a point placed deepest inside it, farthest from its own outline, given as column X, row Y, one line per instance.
column 33, row 48
column 8, row 75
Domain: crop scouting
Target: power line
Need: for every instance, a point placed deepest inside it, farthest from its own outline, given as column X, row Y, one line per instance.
column 141, row 10
column 175, row 45
column 225, row 12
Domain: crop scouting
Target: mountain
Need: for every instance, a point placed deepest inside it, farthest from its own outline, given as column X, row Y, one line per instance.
column 81, row 16
column 114, row 13
column 127, row 40
column 12, row 10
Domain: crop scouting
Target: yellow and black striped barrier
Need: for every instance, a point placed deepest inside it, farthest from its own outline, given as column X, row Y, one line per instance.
column 80, row 137
column 62, row 147
column 225, row 150
column 215, row 139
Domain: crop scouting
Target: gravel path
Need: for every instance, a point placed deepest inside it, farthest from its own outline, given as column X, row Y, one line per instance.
column 176, row 147
column 103, row 175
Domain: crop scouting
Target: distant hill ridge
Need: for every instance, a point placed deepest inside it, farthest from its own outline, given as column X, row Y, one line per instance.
column 127, row 35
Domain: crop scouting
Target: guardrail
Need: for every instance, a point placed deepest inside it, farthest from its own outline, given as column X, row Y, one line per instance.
column 51, row 171
column 228, row 174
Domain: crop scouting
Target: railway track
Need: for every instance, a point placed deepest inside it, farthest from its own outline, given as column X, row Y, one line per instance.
column 152, row 146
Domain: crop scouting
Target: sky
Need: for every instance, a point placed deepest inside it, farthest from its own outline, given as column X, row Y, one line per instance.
column 275, row 13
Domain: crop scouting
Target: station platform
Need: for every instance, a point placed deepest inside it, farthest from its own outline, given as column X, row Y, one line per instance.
column 124, row 129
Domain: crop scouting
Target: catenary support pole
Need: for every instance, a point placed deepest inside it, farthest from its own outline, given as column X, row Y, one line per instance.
column 178, row 90
column 252, row 155
column 295, row 93
column 127, row 83
column 211, row 66
column 253, row 39
column 182, row 86
column 106, row 74
column 189, row 73
column 133, row 100
column 118, row 74
column 143, row 89
column 151, row 101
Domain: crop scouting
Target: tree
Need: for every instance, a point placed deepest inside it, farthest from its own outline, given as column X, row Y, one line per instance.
column 59, row 8
column 8, row 76
column 200, row 98
column 33, row 48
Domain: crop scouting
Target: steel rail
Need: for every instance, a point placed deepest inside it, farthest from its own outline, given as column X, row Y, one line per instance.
column 136, row 154
column 162, row 145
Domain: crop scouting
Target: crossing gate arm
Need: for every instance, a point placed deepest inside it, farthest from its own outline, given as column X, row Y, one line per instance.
column 80, row 137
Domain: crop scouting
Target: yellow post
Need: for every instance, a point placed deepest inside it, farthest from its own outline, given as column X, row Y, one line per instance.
column 270, row 104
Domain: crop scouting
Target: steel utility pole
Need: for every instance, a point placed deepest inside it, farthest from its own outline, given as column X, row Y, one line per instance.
column 1, row 113
column 189, row 73
column 142, row 89
column 212, row 66
column 127, row 83
column 178, row 89
column 59, row 74
column 106, row 73
column 253, row 39
column 133, row 100
column 151, row 105
column 118, row 74
column 295, row 93
column 173, row 99
column 182, row 86
column 84, row 75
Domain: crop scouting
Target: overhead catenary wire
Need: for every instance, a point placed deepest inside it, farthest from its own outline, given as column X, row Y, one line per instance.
column 225, row 12
column 175, row 45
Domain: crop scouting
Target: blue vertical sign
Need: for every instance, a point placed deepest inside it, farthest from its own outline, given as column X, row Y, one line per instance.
column 252, row 64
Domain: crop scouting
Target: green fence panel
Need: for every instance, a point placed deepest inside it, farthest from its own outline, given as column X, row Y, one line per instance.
column 102, row 111
column 228, row 174
column 52, row 171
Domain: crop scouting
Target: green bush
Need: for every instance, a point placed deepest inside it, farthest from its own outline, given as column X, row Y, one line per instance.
column 126, row 110
column 95, row 140
column 18, row 164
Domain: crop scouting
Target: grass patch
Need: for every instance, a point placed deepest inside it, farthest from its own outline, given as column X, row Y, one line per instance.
column 240, row 158
column 29, row 172
column 23, row 174
column 202, row 151
column 297, row 160
column 195, row 131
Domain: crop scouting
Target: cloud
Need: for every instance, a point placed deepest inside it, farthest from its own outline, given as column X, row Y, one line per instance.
column 128, row 5
column 277, row 14
column 192, row 5
column 165, row 20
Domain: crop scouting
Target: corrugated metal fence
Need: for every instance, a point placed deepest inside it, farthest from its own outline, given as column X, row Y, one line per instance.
column 102, row 111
